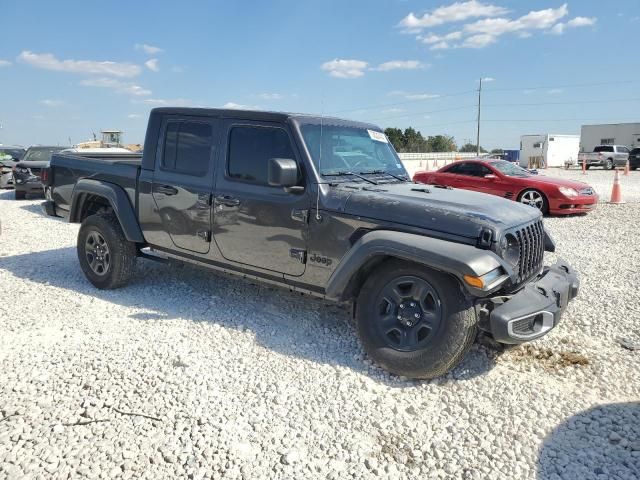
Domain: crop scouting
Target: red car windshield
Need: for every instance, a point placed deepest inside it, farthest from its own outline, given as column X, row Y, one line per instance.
column 510, row 169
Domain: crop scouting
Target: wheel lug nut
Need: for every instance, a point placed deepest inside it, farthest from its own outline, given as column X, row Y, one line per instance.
column 402, row 305
column 399, row 317
column 412, row 304
column 417, row 315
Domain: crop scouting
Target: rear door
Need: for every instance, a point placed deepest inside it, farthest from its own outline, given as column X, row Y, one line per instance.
column 183, row 180
column 257, row 224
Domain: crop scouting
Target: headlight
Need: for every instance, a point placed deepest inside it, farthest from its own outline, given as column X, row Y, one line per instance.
column 568, row 192
column 510, row 249
column 6, row 169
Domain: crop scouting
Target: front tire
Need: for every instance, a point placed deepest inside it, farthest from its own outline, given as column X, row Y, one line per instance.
column 106, row 257
column 609, row 165
column 536, row 199
column 413, row 321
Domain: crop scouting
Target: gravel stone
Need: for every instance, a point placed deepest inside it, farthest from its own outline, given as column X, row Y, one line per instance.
column 254, row 382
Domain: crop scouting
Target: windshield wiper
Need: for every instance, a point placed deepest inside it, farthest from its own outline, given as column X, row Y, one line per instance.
column 384, row 172
column 342, row 174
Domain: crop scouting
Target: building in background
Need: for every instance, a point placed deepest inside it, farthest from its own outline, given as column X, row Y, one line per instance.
column 548, row 150
column 627, row 134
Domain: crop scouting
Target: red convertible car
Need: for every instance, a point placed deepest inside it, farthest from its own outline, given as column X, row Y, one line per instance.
column 505, row 179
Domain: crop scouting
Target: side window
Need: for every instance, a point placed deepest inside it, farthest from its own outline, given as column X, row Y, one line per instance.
column 250, row 149
column 187, row 148
column 455, row 169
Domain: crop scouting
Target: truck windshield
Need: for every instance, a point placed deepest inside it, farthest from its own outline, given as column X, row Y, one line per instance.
column 339, row 149
column 603, row 148
column 509, row 169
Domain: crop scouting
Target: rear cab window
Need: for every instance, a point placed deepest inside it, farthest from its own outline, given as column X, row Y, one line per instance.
column 603, row 148
column 187, row 147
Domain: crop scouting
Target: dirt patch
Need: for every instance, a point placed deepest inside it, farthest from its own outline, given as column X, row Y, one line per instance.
column 550, row 359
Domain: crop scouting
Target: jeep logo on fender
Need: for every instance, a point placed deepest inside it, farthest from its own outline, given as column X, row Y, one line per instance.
column 315, row 258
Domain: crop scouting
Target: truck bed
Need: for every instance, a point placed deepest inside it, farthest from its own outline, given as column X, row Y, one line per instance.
column 119, row 168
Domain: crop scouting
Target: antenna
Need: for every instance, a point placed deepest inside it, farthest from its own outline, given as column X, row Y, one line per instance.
column 318, row 217
column 479, row 106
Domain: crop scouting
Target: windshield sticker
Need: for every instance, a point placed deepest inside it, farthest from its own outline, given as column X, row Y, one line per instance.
column 378, row 136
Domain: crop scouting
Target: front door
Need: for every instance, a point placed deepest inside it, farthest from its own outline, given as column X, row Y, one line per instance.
column 256, row 224
column 183, row 181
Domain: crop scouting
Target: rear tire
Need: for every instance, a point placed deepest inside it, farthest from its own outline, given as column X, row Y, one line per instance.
column 20, row 195
column 424, row 348
column 106, row 257
column 609, row 165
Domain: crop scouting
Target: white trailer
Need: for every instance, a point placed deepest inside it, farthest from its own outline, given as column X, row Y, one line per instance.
column 548, row 150
column 627, row 134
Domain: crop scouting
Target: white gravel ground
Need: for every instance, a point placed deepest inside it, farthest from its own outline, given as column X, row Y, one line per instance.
column 243, row 381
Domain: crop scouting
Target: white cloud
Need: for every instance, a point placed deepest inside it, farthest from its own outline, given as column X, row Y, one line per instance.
column 456, row 12
column 393, row 110
column 117, row 85
column 439, row 42
column 51, row 103
column 5, row 63
column 271, row 96
column 238, row 106
column 148, row 49
column 341, row 68
column 48, row 61
column 440, row 46
column 152, row 64
column 555, row 91
column 478, row 41
column 488, row 79
column 160, row 102
column 134, row 115
column 534, row 20
column 399, row 65
column 559, row 28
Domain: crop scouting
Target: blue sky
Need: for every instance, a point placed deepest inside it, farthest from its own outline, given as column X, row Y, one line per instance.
column 71, row 68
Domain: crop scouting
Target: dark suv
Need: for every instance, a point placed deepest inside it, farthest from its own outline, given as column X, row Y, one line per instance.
column 26, row 173
column 322, row 206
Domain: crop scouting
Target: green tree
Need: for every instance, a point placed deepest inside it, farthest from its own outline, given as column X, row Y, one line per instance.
column 414, row 141
column 441, row 143
column 497, row 151
column 396, row 137
column 470, row 148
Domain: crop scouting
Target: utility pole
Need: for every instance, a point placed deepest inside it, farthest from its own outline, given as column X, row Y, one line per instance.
column 479, row 107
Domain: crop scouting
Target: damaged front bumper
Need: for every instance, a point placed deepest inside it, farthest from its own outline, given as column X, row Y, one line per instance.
column 534, row 310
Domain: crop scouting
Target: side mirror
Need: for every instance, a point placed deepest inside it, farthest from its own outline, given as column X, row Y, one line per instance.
column 283, row 172
column 490, row 176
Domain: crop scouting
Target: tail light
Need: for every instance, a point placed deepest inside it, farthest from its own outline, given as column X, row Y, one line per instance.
column 45, row 175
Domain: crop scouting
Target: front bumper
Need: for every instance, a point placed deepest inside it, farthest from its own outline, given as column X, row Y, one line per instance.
column 535, row 309
column 570, row 205
column 28, row 184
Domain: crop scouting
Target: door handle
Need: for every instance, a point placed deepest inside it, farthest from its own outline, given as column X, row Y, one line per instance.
column 227, row 200
column 166, row 189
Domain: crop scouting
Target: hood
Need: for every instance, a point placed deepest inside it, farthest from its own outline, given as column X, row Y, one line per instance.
column 37, row 164
column 452, row 211
column 559, row 182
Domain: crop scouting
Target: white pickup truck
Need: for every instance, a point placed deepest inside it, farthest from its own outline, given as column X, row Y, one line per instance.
column 607, row 156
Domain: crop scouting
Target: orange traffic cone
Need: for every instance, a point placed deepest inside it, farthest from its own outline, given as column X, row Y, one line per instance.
column 626, row 169
column 616, row 194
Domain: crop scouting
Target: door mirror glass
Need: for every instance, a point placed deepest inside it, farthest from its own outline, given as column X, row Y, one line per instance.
column 283, row 172
column 490, row 176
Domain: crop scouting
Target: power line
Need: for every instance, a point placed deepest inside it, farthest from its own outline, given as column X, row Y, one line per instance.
column 485, row 105
column 468, row 92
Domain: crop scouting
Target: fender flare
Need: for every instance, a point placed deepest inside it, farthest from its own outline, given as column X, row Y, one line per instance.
column 449, row 257
column 117, row 198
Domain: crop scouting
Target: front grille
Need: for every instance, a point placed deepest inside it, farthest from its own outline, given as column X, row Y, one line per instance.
column 524, row 326
column 531, row 241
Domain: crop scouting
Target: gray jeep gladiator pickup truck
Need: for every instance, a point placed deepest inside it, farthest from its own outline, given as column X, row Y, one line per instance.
column 321, row 206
